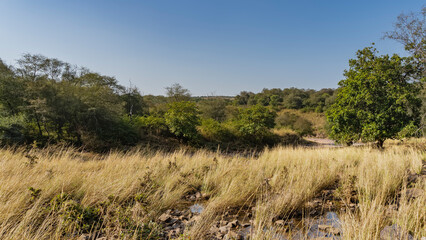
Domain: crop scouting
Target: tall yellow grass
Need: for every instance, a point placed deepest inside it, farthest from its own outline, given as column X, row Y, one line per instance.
column 276, row 183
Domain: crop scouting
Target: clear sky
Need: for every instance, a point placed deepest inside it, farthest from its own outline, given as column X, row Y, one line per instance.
column 216, row 47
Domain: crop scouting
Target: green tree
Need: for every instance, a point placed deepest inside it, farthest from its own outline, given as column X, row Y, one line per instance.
column 376, row 101
column 214, row 108
column 182, row 119
column 254, row 122
column 177, row 93
column 134, row 103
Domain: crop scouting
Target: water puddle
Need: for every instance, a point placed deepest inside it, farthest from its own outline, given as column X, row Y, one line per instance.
column 196, row 208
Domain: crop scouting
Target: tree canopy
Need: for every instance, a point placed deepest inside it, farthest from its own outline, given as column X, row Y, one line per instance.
column 377, row 100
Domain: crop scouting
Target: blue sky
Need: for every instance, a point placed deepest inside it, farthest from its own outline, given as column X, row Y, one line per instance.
column 217, row 47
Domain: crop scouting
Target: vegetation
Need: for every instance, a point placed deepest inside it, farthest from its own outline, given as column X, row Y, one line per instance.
column 83, row 157
column 377, row 100
column 46, row 101
column 410, row 30
column 123, row 194
column 182, row 119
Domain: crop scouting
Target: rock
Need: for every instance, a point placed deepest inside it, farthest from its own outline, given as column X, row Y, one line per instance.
column 233, row 235
column 244, row 225
column 233, row 224
column 394, row 232
column 411, row 193
column 198, row 195
column 176, row 213
column 84, row 237
column 329, row 229
column 214, row 229
column 223, row 223
column 165, row 217
column 224, row 229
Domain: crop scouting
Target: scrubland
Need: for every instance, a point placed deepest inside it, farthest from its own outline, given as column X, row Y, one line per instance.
column 63, row 193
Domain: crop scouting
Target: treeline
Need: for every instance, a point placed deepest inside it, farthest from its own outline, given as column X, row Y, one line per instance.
column 289, row 98
column 48, row 101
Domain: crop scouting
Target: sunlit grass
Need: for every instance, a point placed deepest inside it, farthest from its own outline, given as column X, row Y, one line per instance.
column 276, row 184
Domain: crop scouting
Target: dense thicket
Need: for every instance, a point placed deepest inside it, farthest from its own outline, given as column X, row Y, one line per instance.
column 44, row 100
column 288, row 98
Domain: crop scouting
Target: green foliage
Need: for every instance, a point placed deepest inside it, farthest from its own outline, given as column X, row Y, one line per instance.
column 152, row 125
column 80, row 218
column 182, row 119
column 76, row 218
column 376, row 100
column 215, row 131
column 35, row 193
column 288, row 98
column 12, row 128
column 295, row 122
column 46, row 100
column 214, row 108
column 253, row 123
column 134, row 103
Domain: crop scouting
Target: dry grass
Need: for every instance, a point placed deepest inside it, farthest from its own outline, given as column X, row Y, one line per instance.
column 130, row 190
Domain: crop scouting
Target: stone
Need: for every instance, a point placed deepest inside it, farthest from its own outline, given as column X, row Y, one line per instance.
column 224, row 229
column 165, row 217
column 214, row 229
column 198, row 195
column 329, row 229
column 244, row 225
column 394, row 232
column 233, row 235
column 233, row 224
column 223, row 223
column 173, row 220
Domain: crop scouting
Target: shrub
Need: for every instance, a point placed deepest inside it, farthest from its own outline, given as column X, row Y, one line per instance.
column 215, row 131
column 182, row 119
column 253, row 123
column 295, row 122
column 152, row 125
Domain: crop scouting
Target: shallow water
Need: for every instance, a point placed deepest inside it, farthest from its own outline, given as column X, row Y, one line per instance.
column 196, row 208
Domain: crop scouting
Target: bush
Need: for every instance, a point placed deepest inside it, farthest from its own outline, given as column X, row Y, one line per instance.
column 253, row 123
column 152, row 125
column 182, row 119
column 295, row 122
column 213, row 108
column 213, row 130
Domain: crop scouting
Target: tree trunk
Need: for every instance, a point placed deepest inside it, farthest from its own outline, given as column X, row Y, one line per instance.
column 379, row 143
